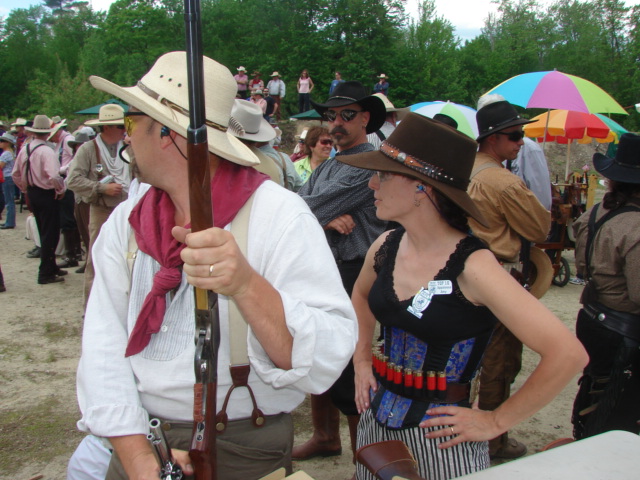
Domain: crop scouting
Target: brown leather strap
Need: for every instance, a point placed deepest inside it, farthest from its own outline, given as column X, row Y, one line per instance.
column 239, row 378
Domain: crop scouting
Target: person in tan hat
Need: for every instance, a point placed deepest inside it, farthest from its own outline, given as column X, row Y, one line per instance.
column 436, row 291
column 277, row 90
column 512, row 212
column 393, row 115
column 99, row 177
column 139, row 320
column 37, row 173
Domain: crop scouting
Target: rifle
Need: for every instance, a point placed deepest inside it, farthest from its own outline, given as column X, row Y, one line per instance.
column 203, row 442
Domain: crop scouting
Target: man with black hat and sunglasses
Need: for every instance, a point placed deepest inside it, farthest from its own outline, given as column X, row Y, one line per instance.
column 340, row 198
column 512, row 212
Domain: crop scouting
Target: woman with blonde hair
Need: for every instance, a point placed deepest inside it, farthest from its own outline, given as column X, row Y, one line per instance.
column 437, row 291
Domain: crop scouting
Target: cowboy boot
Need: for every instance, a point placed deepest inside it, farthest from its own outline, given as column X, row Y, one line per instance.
column 325, row 441
column 353, row 433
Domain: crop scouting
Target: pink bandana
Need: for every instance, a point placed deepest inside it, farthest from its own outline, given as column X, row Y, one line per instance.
column 152, row 220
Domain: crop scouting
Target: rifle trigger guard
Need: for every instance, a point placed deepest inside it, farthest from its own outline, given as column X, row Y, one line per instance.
column 239, row 378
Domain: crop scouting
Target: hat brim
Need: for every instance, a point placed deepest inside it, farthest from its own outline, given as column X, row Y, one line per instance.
column 38, row 130
column 377, row 160
column 372, row 104
column 219, row 143
column 98, row 123
column 266, row 133
column 512, row 123
column 2, row 139
column 609, row 168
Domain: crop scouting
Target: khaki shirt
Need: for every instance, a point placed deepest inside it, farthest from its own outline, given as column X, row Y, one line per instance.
column 509, row 207
column 615, row 259
column 84, row 179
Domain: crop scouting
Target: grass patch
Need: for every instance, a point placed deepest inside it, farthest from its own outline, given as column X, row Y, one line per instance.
column 57, row 331
column 38, row 434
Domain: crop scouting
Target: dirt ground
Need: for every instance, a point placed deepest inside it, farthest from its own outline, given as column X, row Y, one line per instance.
column 40, row 346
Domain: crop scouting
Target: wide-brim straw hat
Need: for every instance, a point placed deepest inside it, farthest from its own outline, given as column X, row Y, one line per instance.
column 241, row 69
column 41, row 124
column 57, row 126
column 248, row 123
column 20, row 122
column 429, row 151
column 275, row 74
column 163, row 95
column 110, row 114
column 625, row 166
column 7, row 137
column 390, row 107
column 542, row 273
column 498, row 116
column 382, row 75
column 348, row 93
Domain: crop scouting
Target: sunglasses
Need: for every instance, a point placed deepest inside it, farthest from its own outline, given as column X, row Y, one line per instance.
column 129, row 124
column 512, row 136
column 326, row 141
column 345, row 115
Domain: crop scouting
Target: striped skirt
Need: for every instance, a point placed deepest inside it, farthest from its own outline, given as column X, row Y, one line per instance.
column 434, row 464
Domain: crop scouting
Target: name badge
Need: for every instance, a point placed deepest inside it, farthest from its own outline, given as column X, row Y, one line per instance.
column 420, row 302
column 440, row 287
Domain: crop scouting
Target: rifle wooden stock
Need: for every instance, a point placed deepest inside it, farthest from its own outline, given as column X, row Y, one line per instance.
column 203, row 443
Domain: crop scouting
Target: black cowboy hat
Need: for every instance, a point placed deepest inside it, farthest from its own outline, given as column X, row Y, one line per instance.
column 429, row 151
column 625, row 167
column 348, row 93
column 497, row 116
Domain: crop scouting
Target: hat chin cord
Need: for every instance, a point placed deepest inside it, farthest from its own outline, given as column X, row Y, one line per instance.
column 177, row 147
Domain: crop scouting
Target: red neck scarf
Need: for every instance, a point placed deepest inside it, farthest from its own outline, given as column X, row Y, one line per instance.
column 152, row 220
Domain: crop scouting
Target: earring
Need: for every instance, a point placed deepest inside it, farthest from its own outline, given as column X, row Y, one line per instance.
column 421, row 188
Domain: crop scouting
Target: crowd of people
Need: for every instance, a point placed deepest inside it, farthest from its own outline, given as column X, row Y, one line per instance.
column 381, row 220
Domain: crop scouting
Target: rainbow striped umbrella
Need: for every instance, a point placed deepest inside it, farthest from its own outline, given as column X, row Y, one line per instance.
column 558, row 90
column 465, row 116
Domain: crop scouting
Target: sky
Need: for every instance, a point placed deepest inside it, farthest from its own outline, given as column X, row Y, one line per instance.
column 467, row 16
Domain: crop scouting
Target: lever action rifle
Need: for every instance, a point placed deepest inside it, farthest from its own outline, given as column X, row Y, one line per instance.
column 207, row 338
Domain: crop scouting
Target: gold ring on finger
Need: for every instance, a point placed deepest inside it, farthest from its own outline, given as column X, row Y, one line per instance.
column 211, row 269
column 452, row 432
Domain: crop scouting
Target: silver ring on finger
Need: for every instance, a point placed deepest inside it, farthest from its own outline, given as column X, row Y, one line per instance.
column 211, row 269
column 452, row 432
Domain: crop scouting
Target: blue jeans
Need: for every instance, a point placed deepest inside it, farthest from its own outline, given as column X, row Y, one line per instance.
column 8, row 189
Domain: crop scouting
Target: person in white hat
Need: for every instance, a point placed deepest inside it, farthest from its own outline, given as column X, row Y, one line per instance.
column 257, row 133
column 37, row 173
column 382, row 85
column 140, row 319
column 277, row 89
column 257, row 97
column 21, row 136
column 393, row 115
column 242, row 80
column 99, row 177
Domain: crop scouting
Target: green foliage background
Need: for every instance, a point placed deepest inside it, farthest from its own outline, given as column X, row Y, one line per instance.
column 48, row 51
